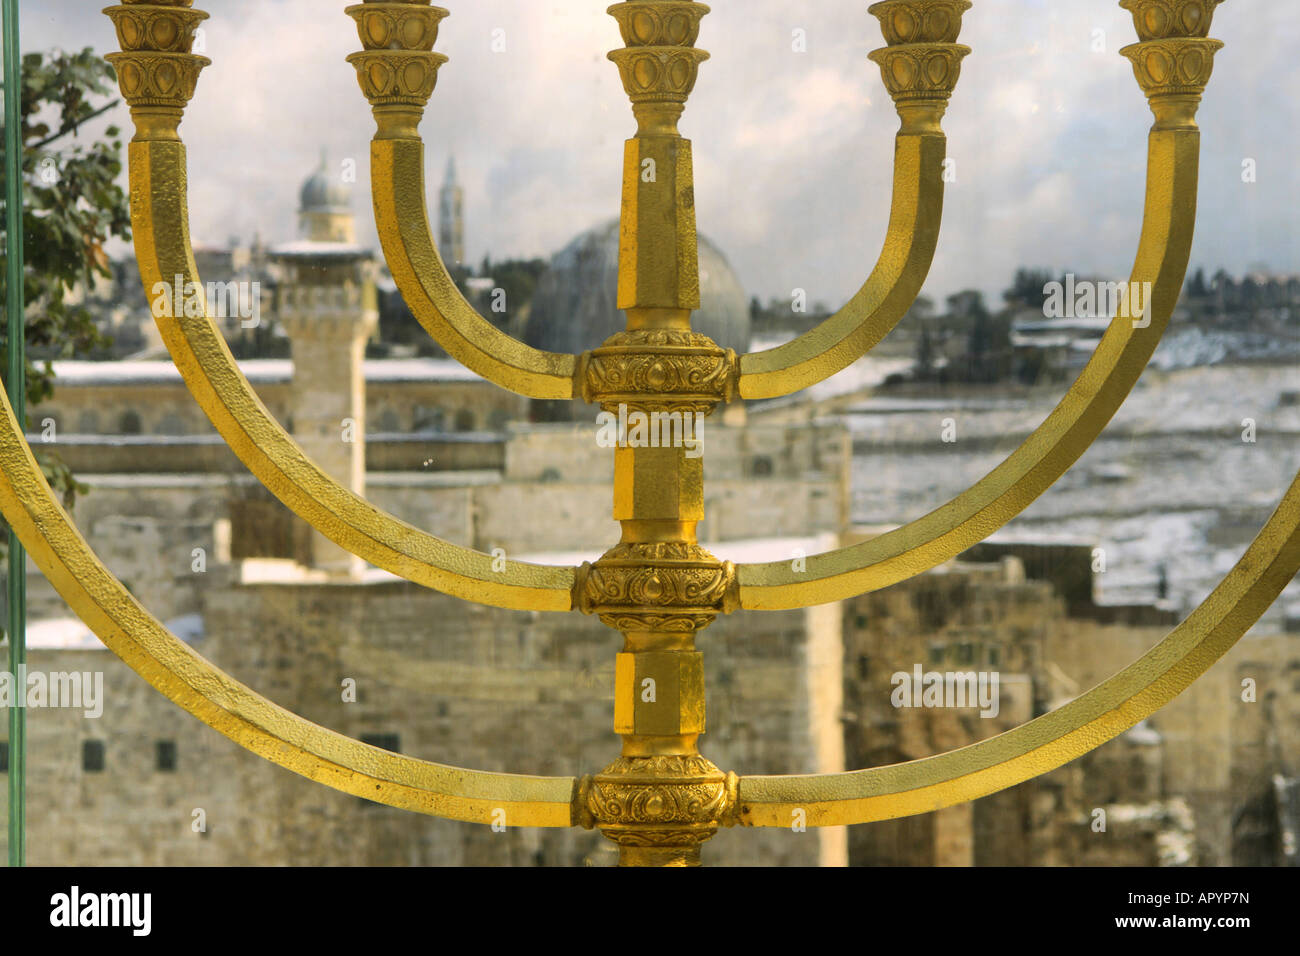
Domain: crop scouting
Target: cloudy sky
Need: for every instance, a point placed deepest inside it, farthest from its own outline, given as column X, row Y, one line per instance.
column 792, row 150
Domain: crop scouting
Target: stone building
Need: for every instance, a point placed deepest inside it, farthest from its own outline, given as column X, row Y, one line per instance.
column 327, row 307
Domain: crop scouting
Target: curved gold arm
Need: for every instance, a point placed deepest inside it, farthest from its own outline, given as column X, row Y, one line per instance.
column 223, row 703
column 881, row 303
column 1048, row 453
column 1046, row 743
column 398, row 72
column 160, row 221
column 920, row 68
column 397, row 183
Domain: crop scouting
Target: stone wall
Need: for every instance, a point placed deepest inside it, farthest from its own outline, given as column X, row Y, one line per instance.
column 455, row 683
column 1171, row 788
column 163, row 406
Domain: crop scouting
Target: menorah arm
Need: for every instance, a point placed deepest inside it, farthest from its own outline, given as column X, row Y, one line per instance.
column 1054, row 739
column 247, row 718
column 160, row 222
column 884, row 299
column 397, row 184
column 1102, row 386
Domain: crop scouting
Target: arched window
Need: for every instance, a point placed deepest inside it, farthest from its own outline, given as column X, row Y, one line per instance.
column 429, row 419
column 88, row 422
column 464, row 420
column 130, row 423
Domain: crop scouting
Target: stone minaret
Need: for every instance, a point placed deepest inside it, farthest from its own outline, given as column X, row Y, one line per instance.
column 328, row 308
column 451, row 218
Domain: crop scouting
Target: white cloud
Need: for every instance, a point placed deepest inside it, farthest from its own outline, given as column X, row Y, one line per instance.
column 792, row 150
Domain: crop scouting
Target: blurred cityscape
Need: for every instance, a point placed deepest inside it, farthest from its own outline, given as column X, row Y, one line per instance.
column 1088, row 579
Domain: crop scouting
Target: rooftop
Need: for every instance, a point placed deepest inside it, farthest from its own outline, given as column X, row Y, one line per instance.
column 73, row 373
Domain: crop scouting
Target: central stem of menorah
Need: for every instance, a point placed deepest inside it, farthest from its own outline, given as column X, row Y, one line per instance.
column 660, row 800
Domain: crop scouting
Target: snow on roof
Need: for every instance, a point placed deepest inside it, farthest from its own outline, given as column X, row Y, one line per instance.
column 74, row 373
column 751, row 551
column 71, row 634
column 316, row 248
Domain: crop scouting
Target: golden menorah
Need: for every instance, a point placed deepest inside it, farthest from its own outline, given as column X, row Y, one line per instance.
column 661, row 799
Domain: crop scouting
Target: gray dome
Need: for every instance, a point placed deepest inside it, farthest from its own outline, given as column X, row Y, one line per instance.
column 325, row 193
column 574, row 308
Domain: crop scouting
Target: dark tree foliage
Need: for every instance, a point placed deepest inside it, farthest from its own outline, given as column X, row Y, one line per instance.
column 519, row 278
column 73, row 205
column 1028, row 288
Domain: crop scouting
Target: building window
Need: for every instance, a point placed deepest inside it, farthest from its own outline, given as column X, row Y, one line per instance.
column 88, row 423
column 937, row 652
column 464, row 420
column 4, row 756
column 389, row 742
column 92, row 756
column 130, row 424
column 165, row 756
column 762, row 466
column 429, row 419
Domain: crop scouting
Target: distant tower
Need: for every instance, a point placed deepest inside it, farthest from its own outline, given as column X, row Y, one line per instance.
column 327, row 306
column 451, row 218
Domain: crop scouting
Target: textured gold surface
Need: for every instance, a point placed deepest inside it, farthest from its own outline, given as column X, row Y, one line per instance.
column 660, row 799
column 228, row 706
column 160, row 223
column 1051, row 449
column 888, row 293
column 919, row 21
column 920, row 35
column 664, row 370
column 167, row 29
column 397, row 73
column 1163, row 251
column 397, row 182
column 1046, row 743
column 660, row 586
column 659, row 808
column 1160, row 19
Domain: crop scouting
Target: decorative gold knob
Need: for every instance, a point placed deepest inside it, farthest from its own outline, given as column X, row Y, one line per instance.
column 1166, row 19
column 397, row 24
column 398, row 69
column 156, row 71
column 660, row 64
column 922, row 63
column 920, row 21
